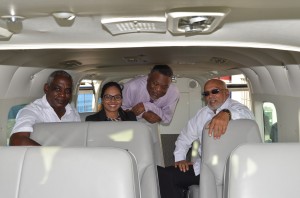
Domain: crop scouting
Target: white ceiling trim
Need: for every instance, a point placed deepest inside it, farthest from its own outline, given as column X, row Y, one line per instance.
column 149, row 44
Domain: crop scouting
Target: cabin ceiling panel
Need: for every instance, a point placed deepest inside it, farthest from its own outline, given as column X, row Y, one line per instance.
column 128, row 62
column 90, row 7
column 288, row 57
column 249, row 24
column 279, row 75
column 38, row 80
column 249, row 35
column 293, row 73
column 6, row 75
column 254, row 80
column 21, row 82
column 274, row 80
column 265, row 79
column 142, row 56
column 260, row 57
column 87, row 32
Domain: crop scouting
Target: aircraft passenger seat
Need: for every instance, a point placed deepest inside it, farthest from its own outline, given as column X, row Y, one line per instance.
column 157, row 145
column 56, row 172
column 132, row 136
column 263, row 170
column 215, row 154
column 84, row 115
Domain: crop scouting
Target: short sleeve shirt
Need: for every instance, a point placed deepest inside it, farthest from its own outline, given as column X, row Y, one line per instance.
column 40, row 111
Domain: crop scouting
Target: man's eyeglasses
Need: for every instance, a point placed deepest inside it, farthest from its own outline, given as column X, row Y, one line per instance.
column 107, row 97
column 214, row 91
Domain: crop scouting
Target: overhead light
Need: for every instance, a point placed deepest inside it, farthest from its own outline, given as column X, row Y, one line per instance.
column 138, row 24
column 69, row 16
column 65, row 19
column 195, row 20
column 13, row 23
column 13, row 18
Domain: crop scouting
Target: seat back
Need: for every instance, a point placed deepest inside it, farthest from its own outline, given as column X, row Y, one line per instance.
column 158, row 152
column 34, row 172
column 263, row 170
column 84, row 115
column 215, row 154
column 132, row 136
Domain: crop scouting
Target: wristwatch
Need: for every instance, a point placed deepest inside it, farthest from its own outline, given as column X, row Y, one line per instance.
column 228, row 112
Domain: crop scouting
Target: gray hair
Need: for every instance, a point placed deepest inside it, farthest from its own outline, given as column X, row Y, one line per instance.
column 54, row 74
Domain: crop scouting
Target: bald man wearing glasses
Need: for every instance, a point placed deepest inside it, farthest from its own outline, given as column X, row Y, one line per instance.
column 220, row 109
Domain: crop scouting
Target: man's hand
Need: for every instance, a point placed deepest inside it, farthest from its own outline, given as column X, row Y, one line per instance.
column 218, row 124
column 151, row 117
column 183, row 165
column 138, row 109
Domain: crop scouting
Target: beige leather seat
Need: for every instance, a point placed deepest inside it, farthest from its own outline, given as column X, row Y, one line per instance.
column 48, row 172
column 132, row 136
column 216, row 152
column 84, row 115
column 158, row 152
column 263, row 170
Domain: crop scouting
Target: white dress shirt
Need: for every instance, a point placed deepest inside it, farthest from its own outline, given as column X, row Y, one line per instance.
column 194, row 128
column 40, row 111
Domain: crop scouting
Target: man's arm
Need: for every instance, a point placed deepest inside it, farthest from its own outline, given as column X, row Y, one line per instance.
column 219, row 123
column 151, row 117
column 138, row 109
column 129, row 92
column 167, row 110
column 183, row 165
column 185, row 139
column 25, row 120
column 22, row 139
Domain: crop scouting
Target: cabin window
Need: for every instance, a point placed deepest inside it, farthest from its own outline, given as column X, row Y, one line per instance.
column 270, row 122
column 238, row 88
column 87, row 96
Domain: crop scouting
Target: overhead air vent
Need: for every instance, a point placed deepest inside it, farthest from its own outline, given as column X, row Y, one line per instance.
column 195, row 20
column 131, row 25
column 71, row 64
column 219, row 60
column 140, row 59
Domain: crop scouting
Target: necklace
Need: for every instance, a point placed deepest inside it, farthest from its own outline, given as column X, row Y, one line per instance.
column 118, row 118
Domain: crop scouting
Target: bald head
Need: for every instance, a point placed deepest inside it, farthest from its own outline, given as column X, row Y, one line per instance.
column 215, row 93
column 216, row 82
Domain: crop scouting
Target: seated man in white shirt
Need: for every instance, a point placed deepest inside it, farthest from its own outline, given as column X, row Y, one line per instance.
column 220, row 109
column 52, row 107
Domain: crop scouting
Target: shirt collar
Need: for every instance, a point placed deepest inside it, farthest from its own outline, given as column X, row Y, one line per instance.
column 47, row 105
column 224, row 105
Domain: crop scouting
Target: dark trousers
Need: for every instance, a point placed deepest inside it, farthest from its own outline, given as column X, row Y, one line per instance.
column 174, row 183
